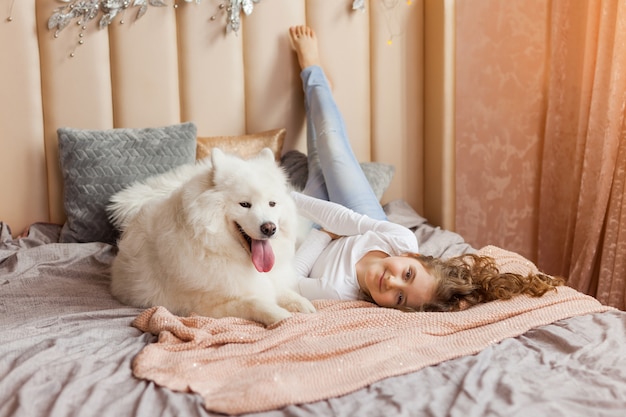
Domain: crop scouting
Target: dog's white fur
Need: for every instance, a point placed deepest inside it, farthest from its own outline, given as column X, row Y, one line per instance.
column 181, row 245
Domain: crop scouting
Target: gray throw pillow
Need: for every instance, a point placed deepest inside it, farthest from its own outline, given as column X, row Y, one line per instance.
column 378, row 174
column 98, row 163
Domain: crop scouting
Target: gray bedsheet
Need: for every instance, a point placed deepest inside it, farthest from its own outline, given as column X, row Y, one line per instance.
column 66, row 347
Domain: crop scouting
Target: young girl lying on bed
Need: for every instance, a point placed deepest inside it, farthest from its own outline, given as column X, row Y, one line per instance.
column 354, row 252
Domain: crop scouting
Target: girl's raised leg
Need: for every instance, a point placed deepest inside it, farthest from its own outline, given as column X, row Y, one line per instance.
column 334, row 172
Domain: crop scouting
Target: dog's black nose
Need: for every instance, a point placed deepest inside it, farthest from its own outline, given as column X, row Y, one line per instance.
column 268, row 229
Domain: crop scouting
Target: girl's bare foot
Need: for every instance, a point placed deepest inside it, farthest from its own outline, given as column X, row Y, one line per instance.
column 304, row 42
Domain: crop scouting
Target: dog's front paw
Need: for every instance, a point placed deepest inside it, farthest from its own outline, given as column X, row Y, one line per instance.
column 271, row 317
column 295, row 303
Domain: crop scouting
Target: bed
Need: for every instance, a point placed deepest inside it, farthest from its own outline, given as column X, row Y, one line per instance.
column 68, row 348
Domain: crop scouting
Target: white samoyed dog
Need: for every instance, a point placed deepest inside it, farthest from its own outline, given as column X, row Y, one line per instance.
column 216, row 238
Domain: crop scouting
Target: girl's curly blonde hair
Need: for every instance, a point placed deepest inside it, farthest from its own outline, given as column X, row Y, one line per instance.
column 470, row 279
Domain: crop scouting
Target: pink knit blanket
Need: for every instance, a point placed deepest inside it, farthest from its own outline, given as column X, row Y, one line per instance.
column 240, row 366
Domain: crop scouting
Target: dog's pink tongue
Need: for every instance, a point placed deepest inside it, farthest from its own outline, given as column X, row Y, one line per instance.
column 262, row 255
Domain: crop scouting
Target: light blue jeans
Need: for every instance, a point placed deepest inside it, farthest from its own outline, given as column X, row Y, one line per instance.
column 334, row 171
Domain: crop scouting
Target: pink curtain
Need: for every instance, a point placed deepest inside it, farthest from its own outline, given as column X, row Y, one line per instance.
column 582, row 208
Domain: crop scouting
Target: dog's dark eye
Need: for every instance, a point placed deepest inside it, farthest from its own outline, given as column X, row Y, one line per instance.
column 245, row 204
column 272, row 203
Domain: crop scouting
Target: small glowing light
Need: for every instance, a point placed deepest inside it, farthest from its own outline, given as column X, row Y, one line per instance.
column 409, row 2
column 389, row 42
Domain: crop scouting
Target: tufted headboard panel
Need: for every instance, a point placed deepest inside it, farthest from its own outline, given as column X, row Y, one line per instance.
column 178, row 64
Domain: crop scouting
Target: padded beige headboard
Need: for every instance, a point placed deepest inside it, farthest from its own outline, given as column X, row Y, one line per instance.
column 177, row 64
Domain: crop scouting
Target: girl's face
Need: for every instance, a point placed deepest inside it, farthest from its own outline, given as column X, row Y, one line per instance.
column 395, row 281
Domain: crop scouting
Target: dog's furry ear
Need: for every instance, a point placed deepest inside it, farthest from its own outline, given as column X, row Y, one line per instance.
column 266, row 153
column 217, row 156
column 220, row 160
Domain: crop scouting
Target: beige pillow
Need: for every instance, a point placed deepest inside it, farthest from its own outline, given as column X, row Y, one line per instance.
column 245, row 146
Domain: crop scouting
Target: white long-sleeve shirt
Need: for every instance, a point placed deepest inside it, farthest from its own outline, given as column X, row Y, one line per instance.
column 326, row 267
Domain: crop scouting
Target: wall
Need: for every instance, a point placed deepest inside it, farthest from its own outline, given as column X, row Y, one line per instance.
column 439, row 112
